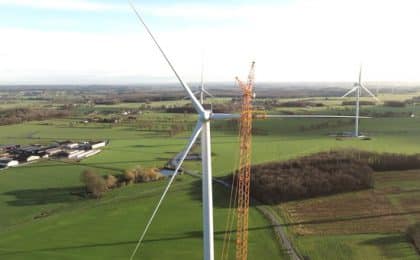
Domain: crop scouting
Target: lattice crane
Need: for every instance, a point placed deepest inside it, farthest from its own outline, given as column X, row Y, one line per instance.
column 244, row 170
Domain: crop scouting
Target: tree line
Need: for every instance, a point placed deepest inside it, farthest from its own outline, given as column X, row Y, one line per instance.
column 20, row 115
column 96, row 185
column 323, row 174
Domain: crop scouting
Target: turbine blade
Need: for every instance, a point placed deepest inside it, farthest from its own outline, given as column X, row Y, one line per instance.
column 208, row 93
column 190, row 144
column 370, row 93
column 198, row 107
column 202, row 71
column 360, row 74
column 309, row 116
column 350, row 91
column 221, row 116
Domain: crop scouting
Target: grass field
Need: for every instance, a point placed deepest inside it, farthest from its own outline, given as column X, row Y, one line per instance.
column 75, row 228
column 72, row 225
column 371, row 222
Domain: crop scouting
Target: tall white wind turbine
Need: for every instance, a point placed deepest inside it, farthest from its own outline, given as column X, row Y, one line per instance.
column 203, row 127
column 358, row 87
column 202, row 92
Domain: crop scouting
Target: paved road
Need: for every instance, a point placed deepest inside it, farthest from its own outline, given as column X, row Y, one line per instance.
column 265, row 210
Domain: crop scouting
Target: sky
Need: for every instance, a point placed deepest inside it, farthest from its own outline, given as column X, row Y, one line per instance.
column 102, row 42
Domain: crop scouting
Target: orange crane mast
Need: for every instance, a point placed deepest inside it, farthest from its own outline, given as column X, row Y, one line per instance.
column 244, row 170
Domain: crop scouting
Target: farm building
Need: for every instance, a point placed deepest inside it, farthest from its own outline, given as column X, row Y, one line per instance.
column 96, row 145
column 33, row 158
column 7, row 162
column 72, row 145
column 53, row 151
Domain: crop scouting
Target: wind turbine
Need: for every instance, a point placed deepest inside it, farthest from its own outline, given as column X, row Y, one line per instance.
column 358, row 88
column 202, row 127
column 202, row 90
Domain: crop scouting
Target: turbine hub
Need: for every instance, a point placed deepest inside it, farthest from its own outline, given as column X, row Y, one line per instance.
column 205, row 115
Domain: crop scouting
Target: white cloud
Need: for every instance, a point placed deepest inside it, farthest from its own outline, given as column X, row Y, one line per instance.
column 321, row 40
column 78, row 5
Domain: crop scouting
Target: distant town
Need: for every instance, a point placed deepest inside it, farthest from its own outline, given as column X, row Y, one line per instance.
column 15, row 154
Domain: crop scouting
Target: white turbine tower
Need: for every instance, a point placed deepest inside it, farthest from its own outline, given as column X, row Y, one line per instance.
column 203, row 127
column 358, row 87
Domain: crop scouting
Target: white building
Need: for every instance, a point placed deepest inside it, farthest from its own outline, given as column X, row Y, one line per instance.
column 7, row 162
column 98, row 145
column 73, row 145
column 33, row 158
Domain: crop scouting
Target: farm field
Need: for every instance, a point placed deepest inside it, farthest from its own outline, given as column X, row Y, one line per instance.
column 371, row 222
column 41, row 219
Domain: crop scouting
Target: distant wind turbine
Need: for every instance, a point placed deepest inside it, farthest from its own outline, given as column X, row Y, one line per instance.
column 202, row 92
column 358, row 87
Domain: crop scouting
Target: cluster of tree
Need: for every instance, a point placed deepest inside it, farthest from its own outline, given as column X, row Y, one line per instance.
column 413, row 233
column 20, row 115
column 325, row 125
column 106, row 101
column 139, row 174
column 394, row 103
column 97, row 185
column 300, row 103
column 386, row 161
column 226, row 107
column 217, row 108
column 310, row 176
column 177, row 128
column 361, row 102
column 186, row 109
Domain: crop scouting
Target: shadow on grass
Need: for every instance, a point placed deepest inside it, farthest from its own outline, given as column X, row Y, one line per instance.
column 384, row 241
column 30, row 197
column 195, row 234
column 221, row 195
column 389, row 245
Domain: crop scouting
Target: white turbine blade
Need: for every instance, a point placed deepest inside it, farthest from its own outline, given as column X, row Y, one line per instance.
column 190, row 144
column 308, row 116
column 198, row 107
column 360, row 74
column 208, row 93
column 370, row 93
column 350, row 91
column 202, row 72
column 221, row 116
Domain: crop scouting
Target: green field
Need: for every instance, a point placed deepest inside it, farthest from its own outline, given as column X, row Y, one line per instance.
column 41, row 219
column 351, row 225
column 73, row 224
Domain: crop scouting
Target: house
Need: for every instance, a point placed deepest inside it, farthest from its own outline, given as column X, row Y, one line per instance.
column 7, row 162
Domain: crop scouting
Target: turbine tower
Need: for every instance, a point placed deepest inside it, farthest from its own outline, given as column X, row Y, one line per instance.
column 358, row 87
